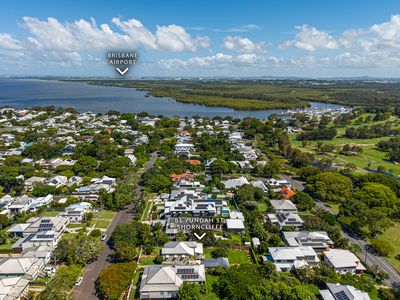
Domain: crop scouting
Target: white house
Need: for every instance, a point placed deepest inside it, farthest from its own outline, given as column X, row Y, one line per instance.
column 343, row 261
column 336, row 291
column 283, row 220
column 235, row 183
column 182, row 252
column 163, row 282
column 58, row 181
column 286, row 259
column 183, row 148
column 75, row 212
column 319, row 240
column 283, row 206
column 15, row 288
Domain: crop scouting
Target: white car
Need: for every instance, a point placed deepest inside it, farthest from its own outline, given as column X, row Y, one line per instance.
column 50, row 270
column 79, row 280
column 104, row 237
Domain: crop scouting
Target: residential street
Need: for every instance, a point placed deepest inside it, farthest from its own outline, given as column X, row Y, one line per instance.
column 367, row 255
column 87, row 290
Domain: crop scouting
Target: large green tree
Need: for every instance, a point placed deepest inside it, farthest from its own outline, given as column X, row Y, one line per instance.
column 189, row 291
column 330, row 186
column 377, row 195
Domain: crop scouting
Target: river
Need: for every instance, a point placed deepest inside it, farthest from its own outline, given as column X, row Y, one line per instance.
column 25, row 93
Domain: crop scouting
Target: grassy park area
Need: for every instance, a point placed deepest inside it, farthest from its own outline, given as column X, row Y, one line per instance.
column 392, row 236
column 370, row 157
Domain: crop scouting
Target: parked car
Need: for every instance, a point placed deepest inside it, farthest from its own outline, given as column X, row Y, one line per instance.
column 50, row 270
column 79, row 280
column 104, row 237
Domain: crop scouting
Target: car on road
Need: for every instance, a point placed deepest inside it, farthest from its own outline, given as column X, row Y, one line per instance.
column 104, row 237
column 79, row 280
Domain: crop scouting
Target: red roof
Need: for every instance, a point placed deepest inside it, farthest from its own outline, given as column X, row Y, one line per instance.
column 287, row 193
column 183, row 176
column 194, row 162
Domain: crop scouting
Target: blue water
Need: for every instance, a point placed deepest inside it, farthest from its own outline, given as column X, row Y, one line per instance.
column 25, row 93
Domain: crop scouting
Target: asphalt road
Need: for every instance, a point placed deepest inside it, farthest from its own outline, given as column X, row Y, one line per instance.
column 367, row 255
column 87, row 290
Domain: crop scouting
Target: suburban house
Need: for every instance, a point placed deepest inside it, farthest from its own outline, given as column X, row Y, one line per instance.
column 76, row 212
column 343, row 261
column 235, row 225
column 336, row 291
column 183, row 148
column 259, row 184
column 283, row 220
column 182, row 176
column 32, row 181
column 235, row 183
column 37, row 224
column 38, row 232
column 318, row 240
column 17, row 230
column 283, row 206
column 194, row 203
column 217, row 262
column 287, row 259
column 47, row 238
column 92, row 191
column 58, row 181
column 41, row 252
column 28, row 268
column 163, row 282
column 185, row 184
column 13, row 288
column 20, row 204
column 182, row 253
column 286, row 193
column 275, row 183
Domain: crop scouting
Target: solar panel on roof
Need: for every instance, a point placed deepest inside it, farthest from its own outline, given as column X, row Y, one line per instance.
column 341, row 296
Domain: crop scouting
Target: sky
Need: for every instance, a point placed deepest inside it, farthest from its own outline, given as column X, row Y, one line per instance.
column 204, row 38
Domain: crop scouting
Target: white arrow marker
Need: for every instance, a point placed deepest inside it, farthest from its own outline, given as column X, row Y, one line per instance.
column 122, row 72
column 200, row 237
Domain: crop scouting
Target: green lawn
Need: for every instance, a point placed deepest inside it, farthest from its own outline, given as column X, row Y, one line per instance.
column 73, row 225
column 392, row 236
column 234, row 256
column 106, row 214
column 51, row 213
column 103, row 219
column 102, row 224
column 149, row 205
column 262, row 206
column 6, row 248
column 144, row 261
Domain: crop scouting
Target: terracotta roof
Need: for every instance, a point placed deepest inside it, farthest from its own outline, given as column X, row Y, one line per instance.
column 183, row 176
column 194, row 162
column 287, row 193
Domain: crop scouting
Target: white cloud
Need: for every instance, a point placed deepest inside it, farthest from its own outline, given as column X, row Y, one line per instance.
column 82, row 35
column 8, row 42
column 245, row 28
column 175, row 38
column 241, row 44
column 311, row 39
